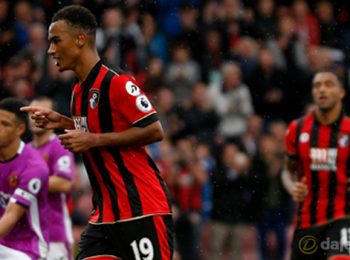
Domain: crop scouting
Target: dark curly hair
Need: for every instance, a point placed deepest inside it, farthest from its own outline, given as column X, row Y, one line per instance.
column 78, row 17
column 13, row 105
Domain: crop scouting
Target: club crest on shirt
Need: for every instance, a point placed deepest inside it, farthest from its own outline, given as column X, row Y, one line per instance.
column 13, row 180
column 132, row 89
column 46, row 156
column 143, row 104
column 94, row 97
column 343, row 141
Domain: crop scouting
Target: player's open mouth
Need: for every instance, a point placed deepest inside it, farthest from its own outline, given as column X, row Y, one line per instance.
column 55, row 58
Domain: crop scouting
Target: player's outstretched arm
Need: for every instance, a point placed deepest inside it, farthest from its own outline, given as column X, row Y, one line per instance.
column 12, row 214
column 47, row 118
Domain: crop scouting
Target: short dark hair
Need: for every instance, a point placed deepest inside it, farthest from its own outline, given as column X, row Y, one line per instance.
column 340, row 80
column 13, row 105
column 45, row 98
column 77, row 16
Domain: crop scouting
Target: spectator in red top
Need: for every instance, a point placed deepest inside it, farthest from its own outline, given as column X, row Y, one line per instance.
column 307, row 26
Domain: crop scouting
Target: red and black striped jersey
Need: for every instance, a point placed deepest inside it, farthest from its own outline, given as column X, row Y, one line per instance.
column 322, row 154
column 125, row 181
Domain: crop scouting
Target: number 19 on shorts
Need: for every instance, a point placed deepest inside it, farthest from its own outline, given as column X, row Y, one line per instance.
column 143, row 250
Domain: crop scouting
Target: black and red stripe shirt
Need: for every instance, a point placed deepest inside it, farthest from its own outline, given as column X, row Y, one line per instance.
column 125, row 181
column 322, row 154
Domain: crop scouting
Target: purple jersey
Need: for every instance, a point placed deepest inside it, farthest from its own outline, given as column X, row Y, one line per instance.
column 24, row 180
column 61, row 163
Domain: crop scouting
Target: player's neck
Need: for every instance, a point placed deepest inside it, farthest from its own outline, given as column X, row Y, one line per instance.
column 87, row 61
column 42, row 138
column 330, row 116
column 10, row 151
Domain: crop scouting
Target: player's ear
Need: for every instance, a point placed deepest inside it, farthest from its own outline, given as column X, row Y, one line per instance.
column 342, row 93
column 21, row 128
column 80, row 40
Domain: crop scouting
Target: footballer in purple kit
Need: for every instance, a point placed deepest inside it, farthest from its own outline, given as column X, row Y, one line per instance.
column 61, row 170
column 23, row 189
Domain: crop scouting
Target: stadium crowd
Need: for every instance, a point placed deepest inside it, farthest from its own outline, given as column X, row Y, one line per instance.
column 226, row 77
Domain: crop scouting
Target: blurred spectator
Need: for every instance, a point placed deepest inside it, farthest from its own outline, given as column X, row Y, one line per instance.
column 200, row 120
column 247, row 23
column 8, row 44
column 307, row 26
column 154, row 42
column 271, row 200
column 190, row 34
column 246, row 54
column 182, row 72
column 18, row 67
column 117, row 47
column 167, row 112
column 232, row 101
column 56, row 85
column 186, row 182
column 267, row 84
column 231, row 197
column 265, row 24
column 213, row 55
column 251, row 136
column 23, row 20
column 287, row 50
column 37, row 45
column 204, row 155
column 153, row 78
column 22, row 88
column 111, row 26
column 329, row 29
column 231, row 11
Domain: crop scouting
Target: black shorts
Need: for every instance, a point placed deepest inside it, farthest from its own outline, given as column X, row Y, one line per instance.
column 322, row 242
column 150, row 237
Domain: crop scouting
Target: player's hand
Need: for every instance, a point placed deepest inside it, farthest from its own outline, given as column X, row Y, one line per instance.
column 43, row 117
column 77, row 141
column 299, row 190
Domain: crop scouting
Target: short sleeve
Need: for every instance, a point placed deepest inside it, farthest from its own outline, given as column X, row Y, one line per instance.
column 29, row 186
column 290, row 139
column 131, row 101
column 63, row 164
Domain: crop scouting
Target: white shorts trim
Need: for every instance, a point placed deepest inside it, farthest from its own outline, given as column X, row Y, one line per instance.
column 7, row 253
column 57, row 251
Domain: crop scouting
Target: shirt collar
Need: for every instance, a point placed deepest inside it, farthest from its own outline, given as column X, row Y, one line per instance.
column 90, row 79
column 336, row 123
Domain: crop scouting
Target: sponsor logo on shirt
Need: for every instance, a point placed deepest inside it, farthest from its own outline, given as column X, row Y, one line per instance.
column 94, row 97
column 80, row 123
column 132, row 89
column 323, row 159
